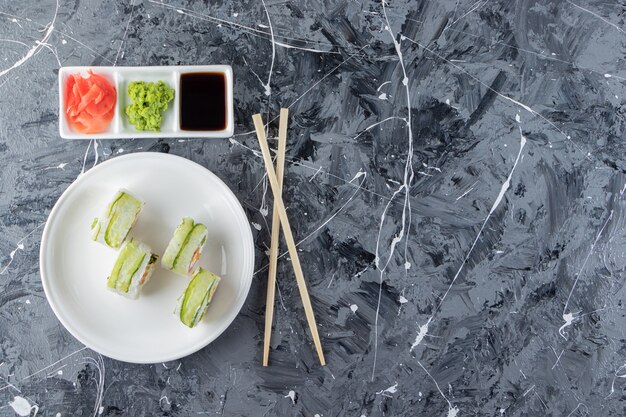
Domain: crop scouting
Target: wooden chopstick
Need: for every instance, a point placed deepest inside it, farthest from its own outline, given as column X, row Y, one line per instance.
column 271, row 277
column 291, row 244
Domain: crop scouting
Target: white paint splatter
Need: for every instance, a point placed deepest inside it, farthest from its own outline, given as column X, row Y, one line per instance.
column 358, row 175
column 38, row 45
column 60, row 166
column 503, row 189
column 27, row 301
column 63, row 41
column 328, row 220
column 403, row 300
column 20, row 246
column 405, row 187
column 569, row 319
column 317, row 51
column 391, row 390
column 517, row 118
column 466, row 192
column 617, row 375
column 354, row 308
column 504, row 97
column 21, row 406
column 268, row 89
column 383, row 96
column 315, row 174
column 292, row 396
column 421, row 334
column 599, row 17
column 452, row 410
column 378, row 123
column 235, row 14
column 381, row 86
column 256, row 226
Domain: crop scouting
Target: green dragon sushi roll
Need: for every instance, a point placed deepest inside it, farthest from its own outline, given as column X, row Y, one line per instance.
column 133, row 268
column 112, row 227
column 196, row 298
column 185, row 247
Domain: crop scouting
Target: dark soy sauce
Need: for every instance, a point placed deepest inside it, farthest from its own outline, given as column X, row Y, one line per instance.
column 203, row 101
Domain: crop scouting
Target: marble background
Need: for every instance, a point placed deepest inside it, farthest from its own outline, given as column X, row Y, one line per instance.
column 456, row 174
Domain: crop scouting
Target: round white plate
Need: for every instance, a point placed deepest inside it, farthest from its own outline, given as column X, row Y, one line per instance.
column 74, row 268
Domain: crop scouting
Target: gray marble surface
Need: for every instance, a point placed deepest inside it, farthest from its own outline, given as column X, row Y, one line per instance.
column 455, row 175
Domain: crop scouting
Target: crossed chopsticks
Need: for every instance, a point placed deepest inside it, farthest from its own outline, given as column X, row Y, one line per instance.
column 279, row 217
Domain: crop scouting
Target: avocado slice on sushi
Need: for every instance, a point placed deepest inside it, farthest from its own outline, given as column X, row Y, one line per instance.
column 133, row 268
column 112, row 228
column 185, row 247
column 197, row 296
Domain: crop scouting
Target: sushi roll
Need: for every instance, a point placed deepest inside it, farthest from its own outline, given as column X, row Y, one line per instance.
column 119, row 217
column 196, row 298
column 185, row 247
column 133, row 268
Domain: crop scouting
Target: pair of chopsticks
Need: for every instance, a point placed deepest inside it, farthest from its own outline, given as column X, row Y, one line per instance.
column 279, row 218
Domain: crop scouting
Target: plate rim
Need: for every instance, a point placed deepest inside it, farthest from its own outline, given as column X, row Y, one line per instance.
column 248, row 269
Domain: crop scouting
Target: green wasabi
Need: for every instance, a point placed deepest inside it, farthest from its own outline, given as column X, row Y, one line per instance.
column 149, row 102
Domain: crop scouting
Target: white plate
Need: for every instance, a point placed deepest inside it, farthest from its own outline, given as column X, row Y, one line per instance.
column 74, row 268
column 170, row 128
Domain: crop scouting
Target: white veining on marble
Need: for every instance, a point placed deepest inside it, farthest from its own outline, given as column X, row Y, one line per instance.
column 292, row 396
column 130, row 17
column 328, row 220
column 22, row 407
column 19, row 247
column 405, row 187
column 502, row 96
column 452, row 410
column 503, row 189
column 391, row 390
column 38, row 45
column 569, row 318
column 599, row 17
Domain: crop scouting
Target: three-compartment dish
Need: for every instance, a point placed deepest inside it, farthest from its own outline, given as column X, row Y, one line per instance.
column 94, row 102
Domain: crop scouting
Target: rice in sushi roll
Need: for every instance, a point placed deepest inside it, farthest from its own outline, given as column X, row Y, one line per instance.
column 185, row 247
column 196, row 298
column 133, row 268
column 112, row 227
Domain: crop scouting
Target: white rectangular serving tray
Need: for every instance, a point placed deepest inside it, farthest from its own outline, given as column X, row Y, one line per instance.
column 120, row 77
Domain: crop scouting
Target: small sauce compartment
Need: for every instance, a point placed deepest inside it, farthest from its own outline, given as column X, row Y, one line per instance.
column 203, row 98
